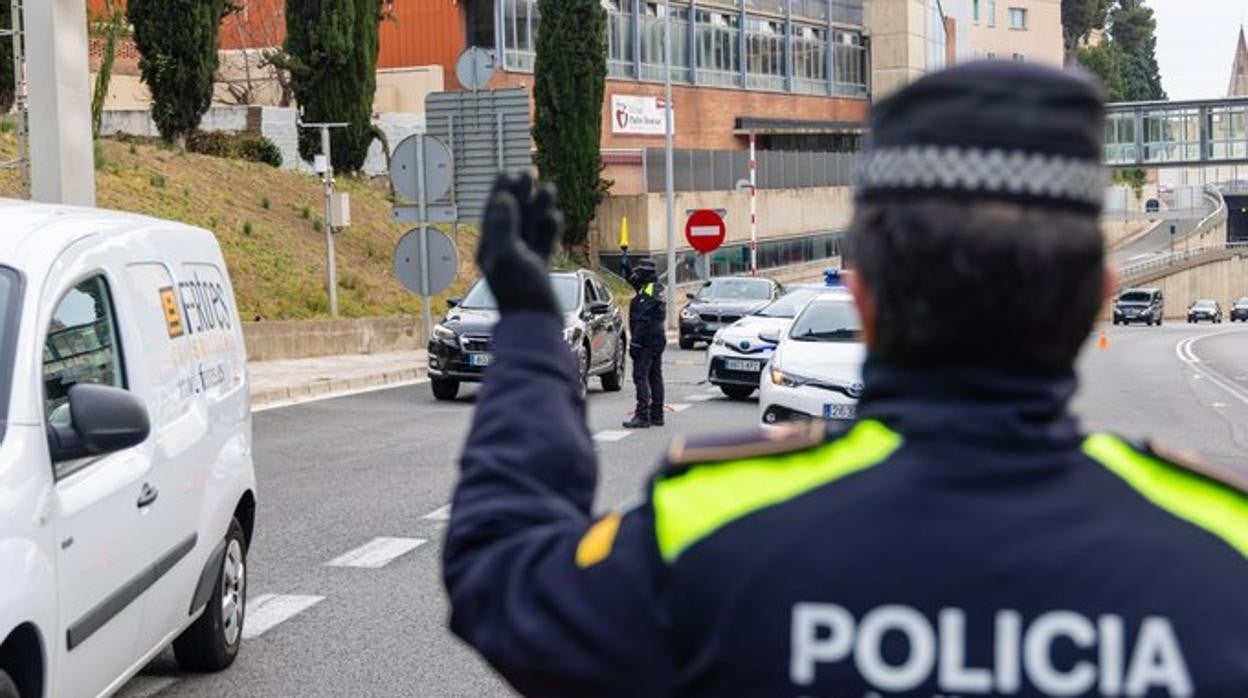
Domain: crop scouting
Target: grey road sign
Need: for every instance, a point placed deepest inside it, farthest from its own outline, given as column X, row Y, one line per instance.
column 443, row 261
column 474, row 68
column 439, row 168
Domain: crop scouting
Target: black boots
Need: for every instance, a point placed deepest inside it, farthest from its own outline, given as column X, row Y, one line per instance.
column 639, row 421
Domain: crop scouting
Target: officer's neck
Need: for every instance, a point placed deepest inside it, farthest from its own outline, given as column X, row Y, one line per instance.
column 992, row 406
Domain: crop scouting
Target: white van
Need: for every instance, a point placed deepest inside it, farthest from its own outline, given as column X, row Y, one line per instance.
column 127, row 492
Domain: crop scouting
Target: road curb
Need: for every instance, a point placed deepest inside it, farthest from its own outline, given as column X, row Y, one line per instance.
column 303, row 392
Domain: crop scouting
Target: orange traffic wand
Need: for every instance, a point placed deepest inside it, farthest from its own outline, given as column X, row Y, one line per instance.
column 1104, row 341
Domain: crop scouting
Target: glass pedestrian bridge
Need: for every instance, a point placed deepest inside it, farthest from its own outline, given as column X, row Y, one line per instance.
column 1177, row 134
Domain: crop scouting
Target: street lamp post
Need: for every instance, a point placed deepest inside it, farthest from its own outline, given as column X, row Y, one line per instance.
column 671, row 195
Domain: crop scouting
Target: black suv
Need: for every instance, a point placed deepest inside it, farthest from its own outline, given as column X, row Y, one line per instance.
column 1239, row 311
column 1145, row 305
column 459, row 351
column 721, row 302
column 1205, row 309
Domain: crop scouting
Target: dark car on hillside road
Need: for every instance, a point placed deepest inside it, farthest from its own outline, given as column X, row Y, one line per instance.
column 720, row 302
column 1146, row 305
column 1239, row 311
column 594, row 328
column 1205, row 309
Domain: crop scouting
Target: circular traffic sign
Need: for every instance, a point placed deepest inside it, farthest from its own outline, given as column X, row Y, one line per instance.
column 474, row 68
column 705, row 231
column 438, row 168
column 443, row 261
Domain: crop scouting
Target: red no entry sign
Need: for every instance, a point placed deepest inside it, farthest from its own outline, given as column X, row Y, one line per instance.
column 705, row 231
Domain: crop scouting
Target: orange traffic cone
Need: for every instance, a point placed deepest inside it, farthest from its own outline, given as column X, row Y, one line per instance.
column 1104, row 341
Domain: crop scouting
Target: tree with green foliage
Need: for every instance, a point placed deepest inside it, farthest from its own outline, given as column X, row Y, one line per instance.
column 1133, row 29
column 178, row 42
column 111, row 26
column 1079, row 19
column 7, row 78
column 568, row 82
column 331, row 52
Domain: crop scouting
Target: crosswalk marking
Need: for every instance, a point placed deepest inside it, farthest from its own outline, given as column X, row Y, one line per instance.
column 679, row 406
column 610, row 436
column 267, row 611
column 702, row 397
column 377, row 553
column 442, row 513
column 146, row 686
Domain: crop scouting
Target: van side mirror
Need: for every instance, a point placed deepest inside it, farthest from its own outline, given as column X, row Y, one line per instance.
column 452, row 303
column 103, row 420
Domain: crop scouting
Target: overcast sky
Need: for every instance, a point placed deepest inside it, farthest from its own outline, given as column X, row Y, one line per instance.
column 1196, row 45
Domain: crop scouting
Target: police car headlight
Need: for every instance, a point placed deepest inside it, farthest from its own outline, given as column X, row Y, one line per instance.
column 787, row 380
column 443, row 332
column 688, row 314
column 718, row 341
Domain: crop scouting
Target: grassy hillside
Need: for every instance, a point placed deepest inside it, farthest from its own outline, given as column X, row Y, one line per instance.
column 269, row 224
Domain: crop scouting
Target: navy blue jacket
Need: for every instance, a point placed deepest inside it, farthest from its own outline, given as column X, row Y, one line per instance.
column 962, row 538
column 647, row 311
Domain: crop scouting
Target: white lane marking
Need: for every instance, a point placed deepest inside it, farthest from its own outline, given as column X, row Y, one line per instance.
column 256, row 409
column 442, row 513
column 146, row 686
column 701, row 397
column 679, row 406
column 1187, row 354
column 377, row 553
column 1219, row 405
column 268, row 611
column 609, row 436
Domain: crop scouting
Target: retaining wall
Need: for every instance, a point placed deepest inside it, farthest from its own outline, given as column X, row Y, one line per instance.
column 303, row 339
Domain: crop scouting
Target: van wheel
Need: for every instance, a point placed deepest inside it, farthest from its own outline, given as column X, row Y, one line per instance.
column 737, row 392
column 212, row 642
column 612, row 381
column 444, row 389
column 8, row 689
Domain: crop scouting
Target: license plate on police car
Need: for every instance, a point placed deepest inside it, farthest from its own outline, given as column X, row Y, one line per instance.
column 739, row 365
column 835, row 411
column 480, row 359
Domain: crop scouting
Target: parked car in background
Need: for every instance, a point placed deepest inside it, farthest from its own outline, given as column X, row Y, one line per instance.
column 1146, row 305
column 127, row 488
column 1205, row 309
column 739, row 352
column 594, row 328
column 816, row 371
column 720, row 302
column 1239, row 311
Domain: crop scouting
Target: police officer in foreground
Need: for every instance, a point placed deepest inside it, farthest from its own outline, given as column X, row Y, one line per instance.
column 647, row 318
column 962, row 538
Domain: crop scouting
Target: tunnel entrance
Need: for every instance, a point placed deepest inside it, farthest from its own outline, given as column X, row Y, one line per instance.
column 1237, row 218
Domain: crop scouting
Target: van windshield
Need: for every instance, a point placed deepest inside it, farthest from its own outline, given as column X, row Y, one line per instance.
column 9, row 302
column 1135, row 297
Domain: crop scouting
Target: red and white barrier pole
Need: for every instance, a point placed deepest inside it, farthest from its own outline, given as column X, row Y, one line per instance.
column 753, row 208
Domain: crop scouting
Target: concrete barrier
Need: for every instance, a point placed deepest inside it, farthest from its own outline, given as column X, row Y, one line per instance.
column 303, row 339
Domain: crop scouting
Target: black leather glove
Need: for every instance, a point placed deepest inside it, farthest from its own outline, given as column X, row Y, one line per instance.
column 518, row 233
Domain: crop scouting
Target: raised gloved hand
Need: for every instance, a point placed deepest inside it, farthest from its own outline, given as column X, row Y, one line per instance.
column 518, row 233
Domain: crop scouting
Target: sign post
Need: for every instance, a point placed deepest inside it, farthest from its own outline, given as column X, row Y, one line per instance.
column 325, row 167
column 422, row 169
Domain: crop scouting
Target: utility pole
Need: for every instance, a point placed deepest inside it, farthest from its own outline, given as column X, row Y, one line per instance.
column 672, row 319
column 54, row 34
column 326, row 170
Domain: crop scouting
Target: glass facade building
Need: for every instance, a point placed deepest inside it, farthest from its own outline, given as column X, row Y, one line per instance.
column 803, row 46
column 1165, row 133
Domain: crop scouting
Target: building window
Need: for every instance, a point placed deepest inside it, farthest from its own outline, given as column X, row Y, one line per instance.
column 975, row 11
column 849, row 64
column 810, row 59
column 480, row 25
column 520, row 22
column 620, row 38
column 719, row 48
column 1018, row 18
column 992, row 13
column 764, row 41
column 651, row 29
column 1019, row 57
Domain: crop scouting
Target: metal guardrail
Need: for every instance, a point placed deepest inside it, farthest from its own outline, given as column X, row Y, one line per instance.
column 1147, row 267
column 1180, row 261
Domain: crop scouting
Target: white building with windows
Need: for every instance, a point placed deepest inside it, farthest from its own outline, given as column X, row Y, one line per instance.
column 1020, row 30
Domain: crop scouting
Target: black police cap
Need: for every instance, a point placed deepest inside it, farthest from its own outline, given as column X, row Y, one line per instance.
column 995, row 130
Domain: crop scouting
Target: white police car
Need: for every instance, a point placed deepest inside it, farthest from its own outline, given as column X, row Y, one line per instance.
column 739, row 353
column 816, row 371
column 126, row 482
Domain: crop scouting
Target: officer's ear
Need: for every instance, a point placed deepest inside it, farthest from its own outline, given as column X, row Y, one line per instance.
column 1111, row 282
column 866, row 306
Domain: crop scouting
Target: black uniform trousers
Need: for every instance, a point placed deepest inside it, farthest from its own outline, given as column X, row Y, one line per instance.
column 648, row 379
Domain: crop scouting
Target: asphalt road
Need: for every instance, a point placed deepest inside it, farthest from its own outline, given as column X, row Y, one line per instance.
column 1157, row 241
column 338, row 474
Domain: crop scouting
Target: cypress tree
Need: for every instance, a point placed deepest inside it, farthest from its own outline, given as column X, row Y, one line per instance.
column 568, row 80
column 178, row 42
column 7, row 77
column 331, row 53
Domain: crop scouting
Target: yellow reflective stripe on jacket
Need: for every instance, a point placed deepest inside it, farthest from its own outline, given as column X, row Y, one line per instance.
column 648, row 290
column 1219, row 510
column 693, row 505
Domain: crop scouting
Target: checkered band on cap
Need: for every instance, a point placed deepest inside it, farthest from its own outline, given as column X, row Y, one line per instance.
column 982, row 173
